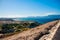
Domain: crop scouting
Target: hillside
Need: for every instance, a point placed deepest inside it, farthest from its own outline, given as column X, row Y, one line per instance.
column 34, row 33
column 16, row 26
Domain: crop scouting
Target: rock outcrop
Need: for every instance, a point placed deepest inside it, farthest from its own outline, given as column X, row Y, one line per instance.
column 51, row 33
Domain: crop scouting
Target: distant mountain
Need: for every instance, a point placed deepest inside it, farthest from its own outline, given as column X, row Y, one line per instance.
column 6, row 19
column 43, row 19
column 39, row 19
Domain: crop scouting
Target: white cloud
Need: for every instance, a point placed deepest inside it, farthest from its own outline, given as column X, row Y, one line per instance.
column 18, row 15
column 46, row 14
column 11, row 16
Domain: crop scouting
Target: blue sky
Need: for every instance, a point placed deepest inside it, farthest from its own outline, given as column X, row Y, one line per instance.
column 24, row 8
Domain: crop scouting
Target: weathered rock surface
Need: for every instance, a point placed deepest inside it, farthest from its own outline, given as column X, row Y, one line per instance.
column 53, row 31
column 57, row 35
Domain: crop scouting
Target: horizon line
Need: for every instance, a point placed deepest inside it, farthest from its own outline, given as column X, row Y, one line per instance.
column 22, row 16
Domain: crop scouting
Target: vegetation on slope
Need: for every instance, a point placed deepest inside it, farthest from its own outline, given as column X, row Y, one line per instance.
column 15, row 27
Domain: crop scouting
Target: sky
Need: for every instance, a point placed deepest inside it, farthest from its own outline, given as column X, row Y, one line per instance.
column 25, row 8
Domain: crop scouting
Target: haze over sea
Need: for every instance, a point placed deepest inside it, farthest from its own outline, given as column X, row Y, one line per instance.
column 42, row 20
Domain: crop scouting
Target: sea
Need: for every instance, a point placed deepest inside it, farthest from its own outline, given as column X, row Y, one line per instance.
column 42, row 20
